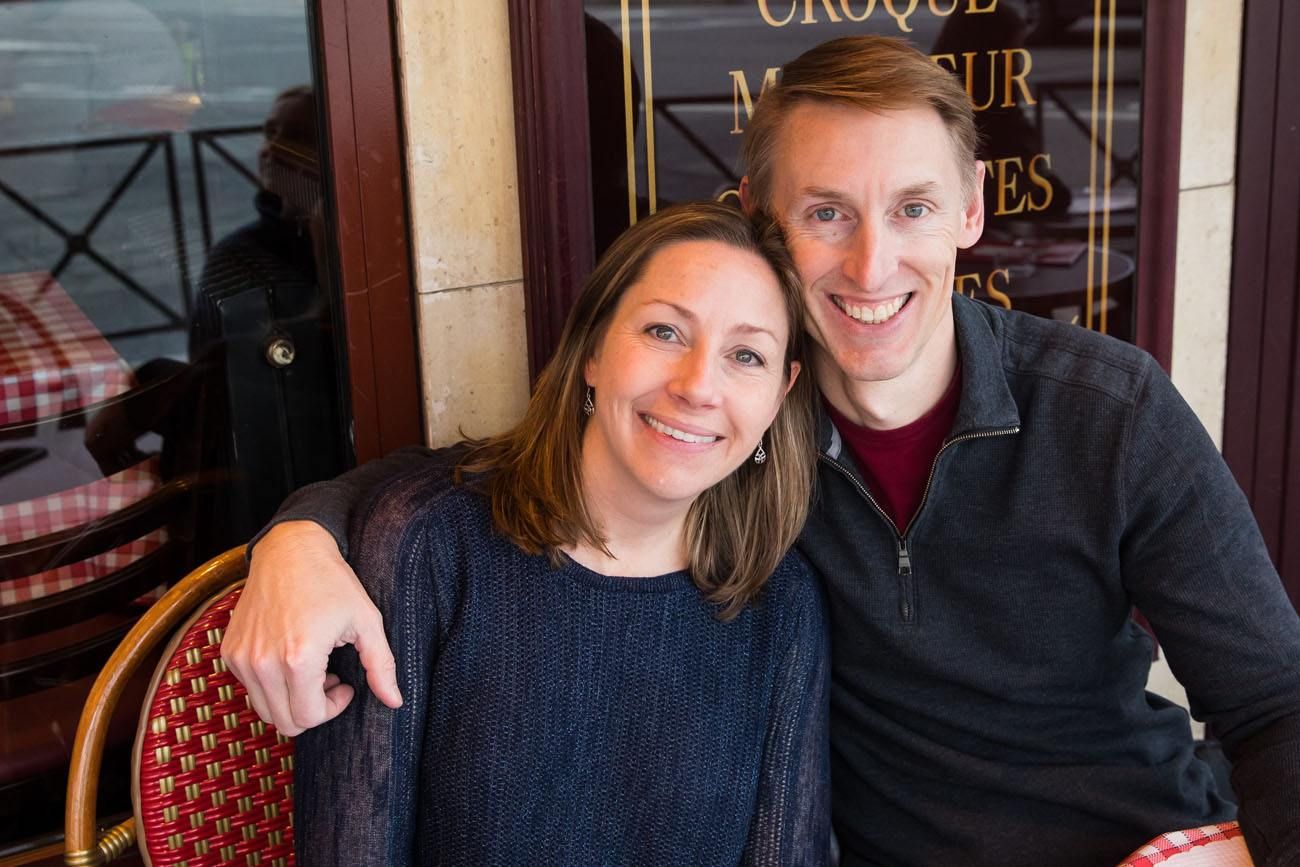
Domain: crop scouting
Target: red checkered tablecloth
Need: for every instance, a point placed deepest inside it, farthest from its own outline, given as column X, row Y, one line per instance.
column 53, row 361
column 52, row 358
column 1209, row 846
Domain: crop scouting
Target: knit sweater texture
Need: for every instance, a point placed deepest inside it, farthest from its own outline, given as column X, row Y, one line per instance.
column 988, row 703
column 554, row 715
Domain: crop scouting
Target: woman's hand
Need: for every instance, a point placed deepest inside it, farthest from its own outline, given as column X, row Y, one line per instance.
column 301, row 601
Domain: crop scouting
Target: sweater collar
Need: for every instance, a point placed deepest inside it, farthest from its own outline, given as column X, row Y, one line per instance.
column 986, row 401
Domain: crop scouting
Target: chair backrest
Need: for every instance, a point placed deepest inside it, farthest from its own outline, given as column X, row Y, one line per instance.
column 38, row 664
column 85, row 529
column 214, row 783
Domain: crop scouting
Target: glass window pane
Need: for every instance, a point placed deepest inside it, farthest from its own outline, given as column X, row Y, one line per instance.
column 169, row 351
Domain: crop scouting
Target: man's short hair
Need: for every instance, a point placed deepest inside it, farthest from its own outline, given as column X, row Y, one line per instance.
column 874, row 73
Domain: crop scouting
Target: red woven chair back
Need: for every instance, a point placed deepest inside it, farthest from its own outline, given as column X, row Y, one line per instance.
column 215, row 783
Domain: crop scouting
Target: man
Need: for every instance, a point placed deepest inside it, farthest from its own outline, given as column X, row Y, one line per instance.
column 996, row 492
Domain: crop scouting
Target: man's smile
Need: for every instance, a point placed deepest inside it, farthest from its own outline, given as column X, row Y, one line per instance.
column 872, row 314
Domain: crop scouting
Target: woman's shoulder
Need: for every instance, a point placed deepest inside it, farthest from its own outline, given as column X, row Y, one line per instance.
column 794, row 575
column 425, row 497
column 794, row 591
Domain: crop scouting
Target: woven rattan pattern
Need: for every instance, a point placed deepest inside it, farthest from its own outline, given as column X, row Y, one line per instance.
column 216, row 783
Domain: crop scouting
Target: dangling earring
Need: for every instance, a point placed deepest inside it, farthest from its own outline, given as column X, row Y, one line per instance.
column 760, row 455
column 587, row 406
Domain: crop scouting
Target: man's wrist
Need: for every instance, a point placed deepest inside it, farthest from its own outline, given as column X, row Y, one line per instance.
column 297, row 533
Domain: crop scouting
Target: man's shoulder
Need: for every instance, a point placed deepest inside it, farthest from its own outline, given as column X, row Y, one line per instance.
column 1068, row 354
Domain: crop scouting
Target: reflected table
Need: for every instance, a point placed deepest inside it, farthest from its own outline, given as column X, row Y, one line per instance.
column 54, row 363
column 1209, row 846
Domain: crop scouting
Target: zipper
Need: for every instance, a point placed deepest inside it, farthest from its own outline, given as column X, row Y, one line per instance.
column 934, row 465
column 904, row 553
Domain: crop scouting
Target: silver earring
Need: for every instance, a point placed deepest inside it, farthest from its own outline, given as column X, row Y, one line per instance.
column 587, row 406
column 760, row 455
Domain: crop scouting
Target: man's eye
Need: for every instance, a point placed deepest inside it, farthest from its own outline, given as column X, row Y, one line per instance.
column 824, row 215
column 663, row 332
column 914, row 211
column 749, row 358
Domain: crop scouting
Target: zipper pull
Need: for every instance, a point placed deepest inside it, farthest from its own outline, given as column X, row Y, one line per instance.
column 904, row 559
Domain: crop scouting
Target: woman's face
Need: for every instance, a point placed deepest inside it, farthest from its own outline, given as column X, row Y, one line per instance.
column 688, row 375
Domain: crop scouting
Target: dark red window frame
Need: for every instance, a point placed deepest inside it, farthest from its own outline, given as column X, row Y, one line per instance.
column 364, row 139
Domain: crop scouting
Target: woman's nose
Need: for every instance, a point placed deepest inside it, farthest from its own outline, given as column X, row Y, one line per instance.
column 695, row 379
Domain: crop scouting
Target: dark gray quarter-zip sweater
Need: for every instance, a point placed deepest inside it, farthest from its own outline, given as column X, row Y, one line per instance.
column 988, row 700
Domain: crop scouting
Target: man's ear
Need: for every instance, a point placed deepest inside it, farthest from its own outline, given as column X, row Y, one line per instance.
column 746, row 200
column 972, row 217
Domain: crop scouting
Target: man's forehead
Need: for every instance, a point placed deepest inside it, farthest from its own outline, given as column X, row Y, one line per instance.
column 840, row 148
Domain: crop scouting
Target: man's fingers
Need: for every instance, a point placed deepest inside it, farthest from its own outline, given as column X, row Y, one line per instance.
column 304, row 680
column 255, row 697
column 275, row 698
column 337, row 697
column 377, row 659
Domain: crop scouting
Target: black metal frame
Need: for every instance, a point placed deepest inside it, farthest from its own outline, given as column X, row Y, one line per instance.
column 80, row 243
column 209, row 137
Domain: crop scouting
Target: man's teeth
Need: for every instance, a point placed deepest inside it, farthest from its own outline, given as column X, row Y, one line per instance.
column 675, row 433
column 866, row 313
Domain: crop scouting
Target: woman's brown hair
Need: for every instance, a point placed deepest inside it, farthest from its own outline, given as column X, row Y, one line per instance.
column 736, row 531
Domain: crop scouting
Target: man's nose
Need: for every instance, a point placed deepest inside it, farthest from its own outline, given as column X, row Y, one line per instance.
column 868, row 259
column 695, row 379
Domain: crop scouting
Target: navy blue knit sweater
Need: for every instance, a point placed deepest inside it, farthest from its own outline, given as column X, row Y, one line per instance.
column 560, row 716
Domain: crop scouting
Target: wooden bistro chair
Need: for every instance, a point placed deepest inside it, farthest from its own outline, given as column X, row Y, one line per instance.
column 212, row 784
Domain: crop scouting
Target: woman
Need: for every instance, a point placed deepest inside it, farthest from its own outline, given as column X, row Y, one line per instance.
column 605, row 654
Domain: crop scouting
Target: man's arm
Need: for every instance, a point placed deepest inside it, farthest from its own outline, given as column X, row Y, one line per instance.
column 357, row 781
column 302, row 600
column 1196, row 565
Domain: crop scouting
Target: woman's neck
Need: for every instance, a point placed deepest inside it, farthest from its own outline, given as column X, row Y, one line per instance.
column 643, row 537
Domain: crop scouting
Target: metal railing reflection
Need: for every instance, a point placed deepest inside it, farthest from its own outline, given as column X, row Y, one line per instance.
column 80, row 242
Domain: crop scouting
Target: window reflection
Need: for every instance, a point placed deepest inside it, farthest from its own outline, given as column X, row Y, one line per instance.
column 168, row 360
column 1055, row 84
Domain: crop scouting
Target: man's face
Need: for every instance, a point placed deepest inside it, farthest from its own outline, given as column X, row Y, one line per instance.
column 874, row 209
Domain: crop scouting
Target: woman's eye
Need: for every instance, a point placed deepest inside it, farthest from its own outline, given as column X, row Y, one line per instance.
column 663, row 332
column 914, row 211
column 749, row 358
column 824, row 215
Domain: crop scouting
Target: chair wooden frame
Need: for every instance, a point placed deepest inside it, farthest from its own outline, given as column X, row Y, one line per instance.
column 84, row 847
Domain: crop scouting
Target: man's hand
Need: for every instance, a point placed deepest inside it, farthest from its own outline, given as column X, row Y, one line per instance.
column 301, row 601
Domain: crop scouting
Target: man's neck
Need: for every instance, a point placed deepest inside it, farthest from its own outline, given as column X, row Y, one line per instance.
column 892, row 403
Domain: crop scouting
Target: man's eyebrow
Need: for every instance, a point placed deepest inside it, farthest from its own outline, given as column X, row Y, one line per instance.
column 685, row 313
column 921, row 189
column 821, row 193
column 924, row 189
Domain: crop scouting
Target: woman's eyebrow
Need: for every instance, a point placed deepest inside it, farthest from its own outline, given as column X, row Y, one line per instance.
column 689, row 316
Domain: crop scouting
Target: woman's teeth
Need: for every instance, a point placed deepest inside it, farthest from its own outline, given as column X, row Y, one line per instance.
column 675, row 433
column 866, row 313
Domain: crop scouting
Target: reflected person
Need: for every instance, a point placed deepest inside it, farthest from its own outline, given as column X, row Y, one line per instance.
column 262, row 335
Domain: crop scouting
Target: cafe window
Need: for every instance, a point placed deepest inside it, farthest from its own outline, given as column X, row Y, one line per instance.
column 172, row 361
column 1056, row 87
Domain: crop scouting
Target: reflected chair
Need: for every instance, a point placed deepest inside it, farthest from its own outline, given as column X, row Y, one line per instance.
column 211, row 783
column 52, row 645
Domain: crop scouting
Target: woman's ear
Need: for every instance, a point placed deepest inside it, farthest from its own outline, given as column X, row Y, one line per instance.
column 795, row 367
